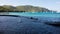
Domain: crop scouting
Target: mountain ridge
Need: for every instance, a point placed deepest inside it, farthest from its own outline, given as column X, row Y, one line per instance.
column 24, row 8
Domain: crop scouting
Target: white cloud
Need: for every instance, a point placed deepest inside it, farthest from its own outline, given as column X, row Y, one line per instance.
column 8, row 2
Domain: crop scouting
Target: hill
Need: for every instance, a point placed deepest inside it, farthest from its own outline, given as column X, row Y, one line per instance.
column 26, row 8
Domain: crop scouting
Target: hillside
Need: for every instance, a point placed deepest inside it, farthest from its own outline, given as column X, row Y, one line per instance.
column 25, row 8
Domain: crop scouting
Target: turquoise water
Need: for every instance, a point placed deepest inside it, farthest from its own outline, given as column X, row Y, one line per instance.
column 35, row 14
column 22, row 26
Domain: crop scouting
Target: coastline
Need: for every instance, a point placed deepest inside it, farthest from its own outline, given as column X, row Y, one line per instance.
column 20, row 24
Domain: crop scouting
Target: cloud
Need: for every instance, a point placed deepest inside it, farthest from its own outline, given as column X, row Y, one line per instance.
column 8, row 2
column 58, row 2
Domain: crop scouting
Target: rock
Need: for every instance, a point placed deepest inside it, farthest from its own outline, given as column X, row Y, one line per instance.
column 22, row 25
column 53, row 23
column 33, row 18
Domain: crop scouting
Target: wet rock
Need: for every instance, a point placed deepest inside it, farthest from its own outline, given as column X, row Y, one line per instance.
column 33, row 18
column 22, row 25
column 57, row 24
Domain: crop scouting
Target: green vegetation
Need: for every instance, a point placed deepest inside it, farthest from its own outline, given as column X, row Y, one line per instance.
column 26, row 8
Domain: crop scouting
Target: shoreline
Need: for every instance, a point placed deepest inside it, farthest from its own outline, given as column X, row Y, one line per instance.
column 24, row 24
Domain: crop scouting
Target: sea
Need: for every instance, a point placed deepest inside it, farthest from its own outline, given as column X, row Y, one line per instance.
column 31, row 25
column 36, row 14
column 44, row 16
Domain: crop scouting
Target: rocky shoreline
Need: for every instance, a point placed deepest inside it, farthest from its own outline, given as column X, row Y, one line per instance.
column 25, row 25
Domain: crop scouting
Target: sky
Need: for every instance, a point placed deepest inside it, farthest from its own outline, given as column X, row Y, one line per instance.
column 49, row 4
